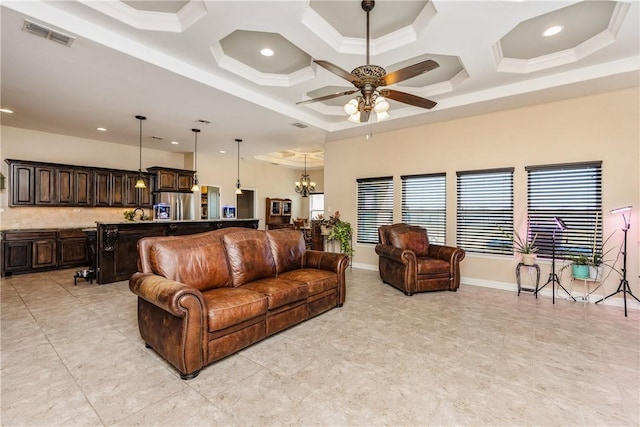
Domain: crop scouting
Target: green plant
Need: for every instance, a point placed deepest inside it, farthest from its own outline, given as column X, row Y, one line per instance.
column 520, row 244
column 342, row 232
column 129, row 215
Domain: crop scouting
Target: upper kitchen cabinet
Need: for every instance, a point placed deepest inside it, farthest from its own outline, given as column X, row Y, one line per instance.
column 168, row 179
column 50, row 184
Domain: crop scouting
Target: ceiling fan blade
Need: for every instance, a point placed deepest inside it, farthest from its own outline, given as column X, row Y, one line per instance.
column 409, row 72
column 407, row 98
column 339, row 71
column 324, row 98
column 364, row 116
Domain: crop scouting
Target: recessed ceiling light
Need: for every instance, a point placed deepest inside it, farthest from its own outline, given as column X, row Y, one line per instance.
column 222, row 152
column 6, row 110
column 552, row 31
column 175, row 142
column 102, row 129
column 266, row 52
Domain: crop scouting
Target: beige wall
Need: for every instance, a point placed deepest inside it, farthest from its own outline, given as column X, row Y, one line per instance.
column 213, row 169
column 600, row 127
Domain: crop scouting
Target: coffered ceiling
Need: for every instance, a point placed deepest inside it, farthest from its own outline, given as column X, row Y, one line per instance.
column 184, row 62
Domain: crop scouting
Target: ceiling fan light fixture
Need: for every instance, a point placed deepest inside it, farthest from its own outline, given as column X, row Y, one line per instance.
column 351, row 107
column 355, row 118
column 381, row 105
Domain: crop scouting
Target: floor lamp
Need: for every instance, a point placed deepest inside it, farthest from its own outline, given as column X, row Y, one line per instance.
column 553, row 277
column 624, row 283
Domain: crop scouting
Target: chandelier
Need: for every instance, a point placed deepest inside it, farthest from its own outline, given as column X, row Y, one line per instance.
column 305, row 186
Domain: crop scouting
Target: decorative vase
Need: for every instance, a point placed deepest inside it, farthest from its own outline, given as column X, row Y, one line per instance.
column 528, row 259
column 324, row 230
column 595, row 273
column 580, row 271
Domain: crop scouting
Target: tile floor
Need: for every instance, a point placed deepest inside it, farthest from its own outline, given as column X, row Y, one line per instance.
column 73, row 356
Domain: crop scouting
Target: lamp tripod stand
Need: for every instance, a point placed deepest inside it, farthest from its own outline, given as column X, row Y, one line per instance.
column 553, row 277
column 624, row 283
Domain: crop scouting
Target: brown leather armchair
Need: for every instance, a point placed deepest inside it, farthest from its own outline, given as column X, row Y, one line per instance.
column 410, row 263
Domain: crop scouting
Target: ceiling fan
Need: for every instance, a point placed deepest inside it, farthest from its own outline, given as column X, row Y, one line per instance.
column 369, row 78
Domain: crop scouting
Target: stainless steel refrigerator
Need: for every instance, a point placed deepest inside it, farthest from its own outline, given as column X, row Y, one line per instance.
column 182, row 205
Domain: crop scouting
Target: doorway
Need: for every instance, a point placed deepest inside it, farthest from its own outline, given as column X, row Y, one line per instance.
column 245, row 204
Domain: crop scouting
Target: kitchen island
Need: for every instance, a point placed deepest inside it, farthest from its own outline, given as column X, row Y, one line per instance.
column 117, row 254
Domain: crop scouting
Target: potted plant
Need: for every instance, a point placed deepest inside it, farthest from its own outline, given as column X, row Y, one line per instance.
column 580, row 266
column 342, row 232
column 527, row 249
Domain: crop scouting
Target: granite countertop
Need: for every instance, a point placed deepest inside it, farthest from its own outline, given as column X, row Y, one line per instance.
column 165, row 221
column 74, row 227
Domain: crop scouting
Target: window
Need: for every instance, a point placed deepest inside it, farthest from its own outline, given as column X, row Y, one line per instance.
column 572, row 193
column 485, row 203
column 375, row 207
column 424, row 203
column 316, row 205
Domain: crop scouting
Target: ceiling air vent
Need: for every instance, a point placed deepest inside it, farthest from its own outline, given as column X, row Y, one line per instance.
column 47, row 33
column 299, row 125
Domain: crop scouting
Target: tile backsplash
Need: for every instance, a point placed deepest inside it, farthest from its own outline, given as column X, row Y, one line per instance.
column 42, row 217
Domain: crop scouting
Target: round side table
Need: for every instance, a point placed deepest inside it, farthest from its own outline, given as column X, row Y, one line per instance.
column 520, row 288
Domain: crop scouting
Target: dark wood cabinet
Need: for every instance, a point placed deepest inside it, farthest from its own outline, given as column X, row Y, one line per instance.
column 42, row 249
column 72, row 248
column 168, row 179
column 278, row 213
column 16, row 256
column 50, row 184
column 73, row 186
column 46, row 191
column 44, row 252
column 22, row 184
column 28, row 250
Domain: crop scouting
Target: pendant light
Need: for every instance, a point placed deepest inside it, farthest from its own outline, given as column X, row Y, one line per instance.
column 238, row 189
column 140, row 182
column 305, row 186
column 195, row 186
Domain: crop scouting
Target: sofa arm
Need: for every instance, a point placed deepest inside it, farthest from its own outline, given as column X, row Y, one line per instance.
column 393, row 253
column 446, row 253
column 330, row 261
column 172, row 320
column 164, row 293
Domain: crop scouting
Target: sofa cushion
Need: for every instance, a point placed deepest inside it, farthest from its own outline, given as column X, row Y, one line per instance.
column 230, row 306
column 317, row 280
column 279, row 291
column 287, row 247
column 433, row 267
column 198, row 261
column 410, row 237
column 249, row 256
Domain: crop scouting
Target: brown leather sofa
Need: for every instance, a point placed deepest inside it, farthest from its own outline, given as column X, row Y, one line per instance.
column 203, row 297
column 410, row 263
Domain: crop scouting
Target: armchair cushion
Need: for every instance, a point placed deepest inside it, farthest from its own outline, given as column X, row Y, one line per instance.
column 411, row 238
column 432, row 267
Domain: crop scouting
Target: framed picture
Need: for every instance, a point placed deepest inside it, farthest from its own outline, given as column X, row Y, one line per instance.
column 162, row 212
column 228, row 211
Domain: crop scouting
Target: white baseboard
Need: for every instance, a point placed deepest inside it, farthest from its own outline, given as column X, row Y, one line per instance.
column 546, row 292
column 632, row 304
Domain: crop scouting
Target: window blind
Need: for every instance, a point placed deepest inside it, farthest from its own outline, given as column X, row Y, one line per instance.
column 573, row 193
column 424, row 203
column 375, row 207
column 485, row 203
